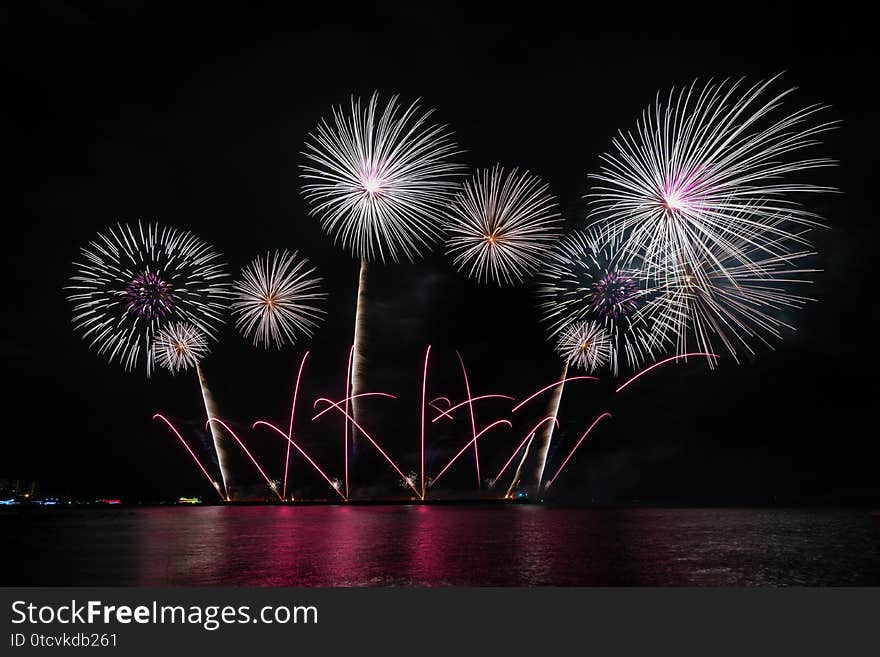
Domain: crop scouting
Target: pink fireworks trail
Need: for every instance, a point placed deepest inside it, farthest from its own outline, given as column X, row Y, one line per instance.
column 525, row 439
column 269, row 483
column 663, row 362
column 338, row 407
column 578, row 444
column 347, row 393
column 303, row 452
column 422, row 426
column 551, row 386
column 433, row 404
column 290, row 426
column 448, row 411
column 213, row 483
column 470, row 404
column 472, row 441
column 348, row 399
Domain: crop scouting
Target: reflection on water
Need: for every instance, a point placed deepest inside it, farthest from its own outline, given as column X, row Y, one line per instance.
column 440, row 545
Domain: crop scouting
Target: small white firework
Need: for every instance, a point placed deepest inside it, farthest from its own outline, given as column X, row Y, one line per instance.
column 585, row 345
column 180, row 346
column 501, row 226
column 277, row 300
column 378, row 179
column 706, row 167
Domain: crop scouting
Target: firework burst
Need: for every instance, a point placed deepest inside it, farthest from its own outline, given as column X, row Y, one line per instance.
column 583, row 280
column 502, row 225
column 132, row 281
column 179, row 346
column 378, row 178
column 585, row 345
column 277, row 300
column 711, row 164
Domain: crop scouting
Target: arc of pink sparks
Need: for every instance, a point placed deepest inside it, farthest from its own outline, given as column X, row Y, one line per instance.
column 470, row 403
column 213, row 483
column 524, row 440
column 663, row 362
column 552, row 385
column 348, row 399
column 290, row 427
column 338, row 406
column 345, row 436
column 448, row 411
column 246, row 451
column 578, row 444
column 303, row 452
column 443, row 413
column 422, row 427
column 471, row 442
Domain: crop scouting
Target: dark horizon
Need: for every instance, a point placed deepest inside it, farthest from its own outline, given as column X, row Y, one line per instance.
column 158, row 112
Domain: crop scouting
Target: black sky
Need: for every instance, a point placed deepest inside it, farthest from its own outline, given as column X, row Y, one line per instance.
column 196, row 117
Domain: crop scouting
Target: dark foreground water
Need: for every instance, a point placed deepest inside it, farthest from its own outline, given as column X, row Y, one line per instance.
column 439, row 545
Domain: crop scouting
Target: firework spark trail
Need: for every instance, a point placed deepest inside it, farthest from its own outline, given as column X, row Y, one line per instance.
column 348, row 399
column 290, row 426
column 470, row 403
column 422, row 423
column 213, row 483
column 339, row 408
column 345, row 422
column 517, row 475
column 529, row 435
column 543, row 444
column 443, row 413
column 469, row 400
column 357, row 358
column 272, row 486
column 578, row 444
column 552, row 385
column 132, row 281
column 219, row 443
column 469, row 443
column 663, row 362
column 308, row 458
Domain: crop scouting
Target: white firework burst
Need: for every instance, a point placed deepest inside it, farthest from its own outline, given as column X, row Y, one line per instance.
column 501, row 226
column 711, row 164
column 379, row 178
column 131, row 281
column 584, row 280
column 180, row 346
column 585, row 344
column 277, row 300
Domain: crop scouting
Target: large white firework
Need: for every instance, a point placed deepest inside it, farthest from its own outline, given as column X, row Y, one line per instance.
column 584, row 280
column 501, row 226
column 380, row 178
column 180, row 346
column 585, row 345
column 718, row 303
column 707, row 165
column 277, row 300
column 133, row 280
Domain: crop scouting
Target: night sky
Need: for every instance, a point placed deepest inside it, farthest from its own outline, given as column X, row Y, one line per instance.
column 196, row 118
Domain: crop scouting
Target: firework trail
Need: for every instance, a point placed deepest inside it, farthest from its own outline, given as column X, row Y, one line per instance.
column 502, row 226
column 470, row 402
column 711, row 166
column 582, row 280
column 671, row 359
column 277, row 300
column 376, row 178
column 178, row 347
column 290, row 426
column 577, row 444
column 447, row 413
column 214, row 484
column 527, row 438
column 271, row 484
column 131, row 281
column 472, row 441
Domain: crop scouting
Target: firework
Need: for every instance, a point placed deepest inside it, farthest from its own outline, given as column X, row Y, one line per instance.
column 132, row 281
column 502, row 225
column 707, row 167
column 583, row 280
column 377, row 178
column 179, row 346
column 585, row 345
column 277, row 300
